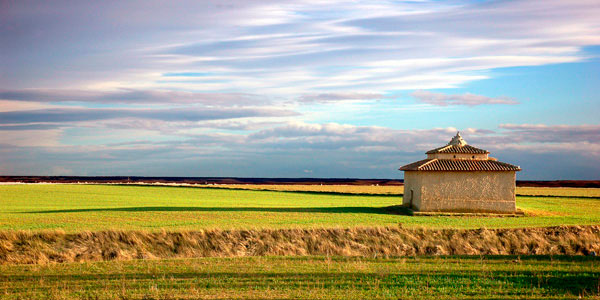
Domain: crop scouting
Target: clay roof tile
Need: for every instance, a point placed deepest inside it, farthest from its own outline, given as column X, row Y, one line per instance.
column 459, row 165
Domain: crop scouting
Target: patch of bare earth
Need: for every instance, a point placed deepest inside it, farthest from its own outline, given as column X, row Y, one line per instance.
column 543, row 213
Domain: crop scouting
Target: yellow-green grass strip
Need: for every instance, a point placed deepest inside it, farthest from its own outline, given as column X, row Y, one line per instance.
column 75, row 208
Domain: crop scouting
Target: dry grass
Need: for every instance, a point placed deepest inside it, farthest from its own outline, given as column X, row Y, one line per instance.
column 21, row 247
column 341, row 189
column 559, row 192
column 399, row 190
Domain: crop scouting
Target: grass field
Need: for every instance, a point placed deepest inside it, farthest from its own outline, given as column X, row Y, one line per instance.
column 98, row 207
column 76, row 209
column 485, row 277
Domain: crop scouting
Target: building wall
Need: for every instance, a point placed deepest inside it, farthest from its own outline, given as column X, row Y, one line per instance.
column 412, row 189
column 460, row 191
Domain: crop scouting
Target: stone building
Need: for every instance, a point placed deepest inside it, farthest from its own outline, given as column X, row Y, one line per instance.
column 460, row 178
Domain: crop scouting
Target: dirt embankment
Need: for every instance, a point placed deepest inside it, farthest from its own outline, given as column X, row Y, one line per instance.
column 20, row 247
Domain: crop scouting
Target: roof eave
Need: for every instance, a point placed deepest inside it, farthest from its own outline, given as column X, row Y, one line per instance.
column 420, row 166
column 464, row 170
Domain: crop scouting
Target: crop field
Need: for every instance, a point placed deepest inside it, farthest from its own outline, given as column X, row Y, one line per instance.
column 75, row 208
column 485, row 277
column 399, row 190
column 342, row 189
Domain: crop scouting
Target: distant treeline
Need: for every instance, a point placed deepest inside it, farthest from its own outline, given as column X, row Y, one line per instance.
column 241, row 180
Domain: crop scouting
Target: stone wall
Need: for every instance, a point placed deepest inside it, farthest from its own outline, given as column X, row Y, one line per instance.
column 412, row 182
column 461, row 191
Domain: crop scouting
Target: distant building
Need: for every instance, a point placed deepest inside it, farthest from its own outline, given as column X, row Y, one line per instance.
column 460, row 178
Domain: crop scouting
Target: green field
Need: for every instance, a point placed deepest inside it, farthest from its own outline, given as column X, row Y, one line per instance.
column 98, row 207
column 79, row 208
column 309, row 278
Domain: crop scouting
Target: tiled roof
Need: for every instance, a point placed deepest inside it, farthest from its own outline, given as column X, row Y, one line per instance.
column 414, row 166
column 459, row 165
column 458, row 149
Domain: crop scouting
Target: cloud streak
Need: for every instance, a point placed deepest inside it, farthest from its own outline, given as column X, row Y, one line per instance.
column 66, row 115
column 467, row 99
column 133, row 96
column 542, row 133
column 337, row 97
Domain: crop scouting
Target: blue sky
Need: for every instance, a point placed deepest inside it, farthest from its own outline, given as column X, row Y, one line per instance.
column 296, row 88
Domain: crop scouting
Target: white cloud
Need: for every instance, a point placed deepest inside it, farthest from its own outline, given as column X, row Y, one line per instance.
column 189, row 114
column 127, row 96
column 334, row 150
column 584, row 139
column 336, row 97
column 464, row 99
column 542, row 133
column 8, row 105
column 30, row 138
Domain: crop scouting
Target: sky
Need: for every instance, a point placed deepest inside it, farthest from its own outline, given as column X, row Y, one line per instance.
column 345, row 89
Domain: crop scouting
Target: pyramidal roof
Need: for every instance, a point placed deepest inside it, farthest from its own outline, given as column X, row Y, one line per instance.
column 457, row 140
column 458, row 145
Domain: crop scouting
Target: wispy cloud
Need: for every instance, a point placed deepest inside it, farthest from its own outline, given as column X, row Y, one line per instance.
column 541, row 133
column 294, row 47
column 66, row 115
column 464, row 99
column 29, row 137
column 336, row 97
column 133, row 96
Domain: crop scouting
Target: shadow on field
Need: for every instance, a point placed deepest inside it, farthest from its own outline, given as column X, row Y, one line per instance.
column 326, row 193
column 518, row 259
column 397, row 210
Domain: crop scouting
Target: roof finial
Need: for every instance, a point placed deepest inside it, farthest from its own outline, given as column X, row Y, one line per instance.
column 457, row 140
